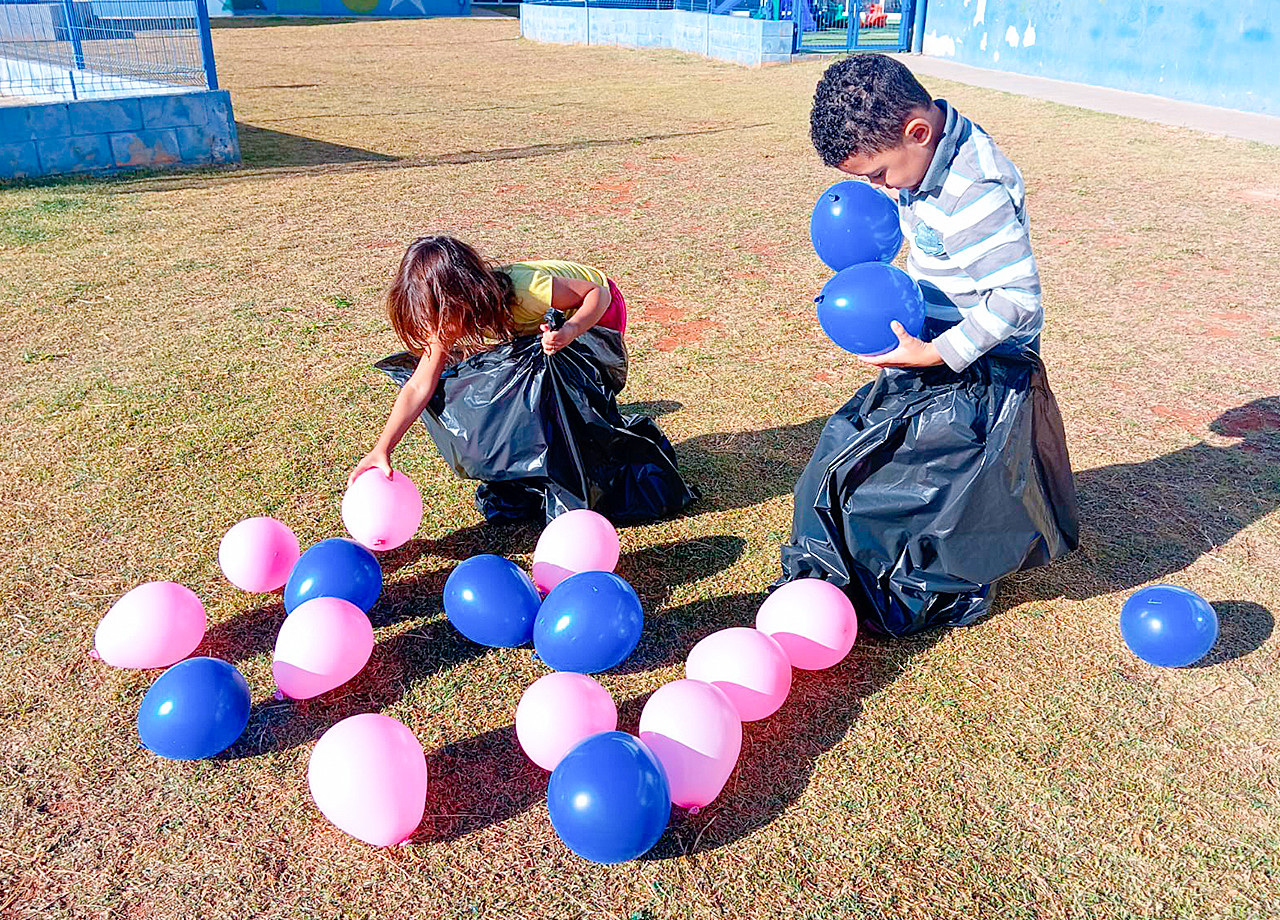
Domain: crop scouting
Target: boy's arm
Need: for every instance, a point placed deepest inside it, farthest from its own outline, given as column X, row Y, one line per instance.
column 984, row 237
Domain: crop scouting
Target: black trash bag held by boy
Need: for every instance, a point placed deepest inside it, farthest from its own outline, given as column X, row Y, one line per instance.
column 544, row 432
column 930, row 485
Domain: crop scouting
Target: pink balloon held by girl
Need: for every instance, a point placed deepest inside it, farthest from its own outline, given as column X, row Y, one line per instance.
column 514, row 369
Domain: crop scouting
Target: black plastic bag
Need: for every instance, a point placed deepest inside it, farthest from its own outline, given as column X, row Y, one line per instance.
column 930, row 485
column 545, row 435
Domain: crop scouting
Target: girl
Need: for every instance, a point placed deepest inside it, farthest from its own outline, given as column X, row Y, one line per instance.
column 488, row 335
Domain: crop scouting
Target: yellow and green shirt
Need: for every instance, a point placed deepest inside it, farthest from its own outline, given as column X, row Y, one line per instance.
column 532, row 281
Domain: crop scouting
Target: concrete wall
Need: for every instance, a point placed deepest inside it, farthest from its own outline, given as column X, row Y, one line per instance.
column 107, row 135
column 1218, row 52
column 739, row 39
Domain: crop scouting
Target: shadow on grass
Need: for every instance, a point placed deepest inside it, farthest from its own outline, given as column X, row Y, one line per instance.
column 654, row 409
column 1144, row 522
column 779, row 753
column 737, row 469
column 1243, row 627
column 401, row 661
column 352, row 161
column 264, row 147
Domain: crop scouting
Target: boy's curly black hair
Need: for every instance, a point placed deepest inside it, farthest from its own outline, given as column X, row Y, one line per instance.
column 861, row 105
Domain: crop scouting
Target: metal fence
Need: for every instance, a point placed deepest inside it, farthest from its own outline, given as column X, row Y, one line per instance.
column 98, row 49
column 820, row 25
column 848, row 25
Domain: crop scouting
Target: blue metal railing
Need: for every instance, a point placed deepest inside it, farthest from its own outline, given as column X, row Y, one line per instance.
column 72, row 49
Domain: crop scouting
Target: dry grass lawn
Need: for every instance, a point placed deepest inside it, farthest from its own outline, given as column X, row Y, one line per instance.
column 178, row 352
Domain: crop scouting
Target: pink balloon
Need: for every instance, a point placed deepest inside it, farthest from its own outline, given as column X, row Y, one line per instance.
column 368, row 775
column 559, row 710
column 576, row 541
column 695, row 731
column 324, row 643
column 382, row 513
column 257, row 554
column 812, row 620
column 153, row 626
column 750, row 667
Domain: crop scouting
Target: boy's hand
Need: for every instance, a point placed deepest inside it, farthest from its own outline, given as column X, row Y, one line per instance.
column 911, row 352
column 555, row 339
column 374, row 460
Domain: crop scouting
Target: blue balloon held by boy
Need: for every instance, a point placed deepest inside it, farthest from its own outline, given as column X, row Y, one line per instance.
column 491, row 601
column 854, row 223
column 609, row 799
column 857, row 306
column 1168, row 626
column 195, row 709
column 589, row 622
column 334, row 568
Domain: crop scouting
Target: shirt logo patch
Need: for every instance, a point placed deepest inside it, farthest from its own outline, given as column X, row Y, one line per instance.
column 927, row 240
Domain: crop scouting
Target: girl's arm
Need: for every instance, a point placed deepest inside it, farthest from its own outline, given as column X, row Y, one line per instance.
column 411, row 400
column 588, row 298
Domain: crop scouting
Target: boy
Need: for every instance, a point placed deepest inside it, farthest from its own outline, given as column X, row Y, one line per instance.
column 961, row 202
column 934, row 482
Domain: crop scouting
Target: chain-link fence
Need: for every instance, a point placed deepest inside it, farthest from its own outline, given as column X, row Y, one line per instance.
column 96, row 49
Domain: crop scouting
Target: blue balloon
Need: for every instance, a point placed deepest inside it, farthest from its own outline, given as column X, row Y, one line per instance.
column 195, row 709
column 857, row 305
column 1168, row 626
column 491, row 601
column 609, row 798
column 589, row 622
column 853, row 223
column 334, row 568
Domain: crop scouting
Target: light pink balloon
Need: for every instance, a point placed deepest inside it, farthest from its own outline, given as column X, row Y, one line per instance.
column 812, row 620
column 153, row 626
column 257, row 554
column 368, row 775
column 576, row 541
column 324, row 643
column 557, row 711
column 695, row 731
column 382, row 513
column 750, row 667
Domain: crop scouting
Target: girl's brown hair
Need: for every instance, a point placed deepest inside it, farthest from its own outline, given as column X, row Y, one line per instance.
column 444, row 291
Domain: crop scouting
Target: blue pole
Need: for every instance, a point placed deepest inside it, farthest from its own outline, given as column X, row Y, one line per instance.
column 73, row 33
column 917, row 29
column 206, row 44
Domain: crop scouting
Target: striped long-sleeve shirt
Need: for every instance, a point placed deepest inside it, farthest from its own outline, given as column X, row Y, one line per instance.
column 969, row 246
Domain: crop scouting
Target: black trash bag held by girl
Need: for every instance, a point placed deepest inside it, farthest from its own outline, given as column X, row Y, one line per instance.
column 929, row 485
column 544, row 432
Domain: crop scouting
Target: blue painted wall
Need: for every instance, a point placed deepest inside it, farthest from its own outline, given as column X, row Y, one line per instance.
column 1218, row 52
column 344, row 8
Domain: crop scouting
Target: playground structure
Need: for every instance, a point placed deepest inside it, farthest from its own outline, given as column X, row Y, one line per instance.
column 751, row 32
column 105, row 85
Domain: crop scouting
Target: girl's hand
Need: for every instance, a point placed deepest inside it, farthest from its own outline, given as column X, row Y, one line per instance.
column 555, row 339
column 376, row 459
column 911, row 352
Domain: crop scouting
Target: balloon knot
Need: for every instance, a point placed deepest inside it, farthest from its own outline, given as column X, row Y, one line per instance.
column 278, row 695
column 93, row 653
column 695, row 809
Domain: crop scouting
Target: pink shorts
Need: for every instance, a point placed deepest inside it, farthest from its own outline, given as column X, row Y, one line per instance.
column 616, row 316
